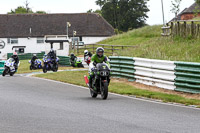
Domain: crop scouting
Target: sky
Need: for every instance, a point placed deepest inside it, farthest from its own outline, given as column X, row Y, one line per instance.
column 81, row 6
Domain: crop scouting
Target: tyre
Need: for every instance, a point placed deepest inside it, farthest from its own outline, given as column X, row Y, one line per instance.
column 31, row 68
column 4, row 73
column 11, row 74
column 44, row 69
column 104, row 92
column 55, row 68
column 93, row 94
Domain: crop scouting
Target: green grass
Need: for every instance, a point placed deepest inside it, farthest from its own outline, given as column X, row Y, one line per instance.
column 150, row 44
column 119, row 87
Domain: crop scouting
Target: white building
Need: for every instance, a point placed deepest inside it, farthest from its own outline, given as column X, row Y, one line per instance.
column 25, row 33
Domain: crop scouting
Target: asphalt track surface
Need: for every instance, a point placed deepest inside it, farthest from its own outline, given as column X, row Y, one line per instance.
column 32, row 105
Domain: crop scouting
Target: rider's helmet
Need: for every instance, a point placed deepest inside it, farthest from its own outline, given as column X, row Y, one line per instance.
column 86, row 52
column 100, row 51
column 72, row 55
column 34, row 55
column 15, row 54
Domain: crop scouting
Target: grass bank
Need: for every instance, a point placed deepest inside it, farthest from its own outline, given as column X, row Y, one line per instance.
column 150, row 44
column 121, row 87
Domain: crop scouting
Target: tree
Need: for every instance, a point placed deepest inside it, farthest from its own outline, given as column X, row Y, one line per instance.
column 125, row 14
column 20, row 10
column 24, row 10
column 175, row 8
column 96, row 11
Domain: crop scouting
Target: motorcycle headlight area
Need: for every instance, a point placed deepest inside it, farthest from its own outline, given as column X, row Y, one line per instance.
column 104, row 73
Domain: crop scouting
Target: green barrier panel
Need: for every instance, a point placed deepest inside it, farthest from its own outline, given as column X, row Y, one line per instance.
column 187, row 77
column 64, row 60
column 27, row 56
column 122, row 67
column 1, row 66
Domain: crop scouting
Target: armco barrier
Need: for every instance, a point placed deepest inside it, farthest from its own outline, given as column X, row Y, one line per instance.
column 64, row 60
column 155, row 73
column 122, row 67
column 27, row 56
column 187, row 77
column 1, row 67
column 179, row 76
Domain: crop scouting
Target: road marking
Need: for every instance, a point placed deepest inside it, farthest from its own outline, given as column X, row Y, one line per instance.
column 129, row 97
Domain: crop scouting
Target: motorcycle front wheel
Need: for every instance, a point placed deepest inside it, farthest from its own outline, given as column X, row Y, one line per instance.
column 93, row 94
column 44, row 69
column 104, row 90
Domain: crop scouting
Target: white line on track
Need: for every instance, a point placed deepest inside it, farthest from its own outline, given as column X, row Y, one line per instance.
column 129, row 97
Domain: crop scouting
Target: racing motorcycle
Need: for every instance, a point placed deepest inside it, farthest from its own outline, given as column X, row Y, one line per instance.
column 9, row 67
column 101, row 81
column 87, row 59
column 77, row 63
column 37, row 64
column 50, row 64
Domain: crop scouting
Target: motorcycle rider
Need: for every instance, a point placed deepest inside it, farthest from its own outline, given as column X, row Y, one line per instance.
column 87, row 54
column 99, row 57
column 33, row 59
column 52, row 55
column 73, row 59
column 16, row 59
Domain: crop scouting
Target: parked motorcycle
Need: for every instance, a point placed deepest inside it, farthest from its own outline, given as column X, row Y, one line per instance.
column 101, row 81
column 50, row 64
column 87, row 59
column 37, row 64
column 9, row 67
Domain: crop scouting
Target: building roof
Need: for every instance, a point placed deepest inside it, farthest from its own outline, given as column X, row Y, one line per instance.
column 192, row 9
column 85, row 24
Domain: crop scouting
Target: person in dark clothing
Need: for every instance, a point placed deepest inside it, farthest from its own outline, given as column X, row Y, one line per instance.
column 16, row 58
column 33, row 59
column 52, row 54
column 73, row 59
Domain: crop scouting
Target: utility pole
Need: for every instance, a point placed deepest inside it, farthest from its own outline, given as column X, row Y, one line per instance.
column 163, row 13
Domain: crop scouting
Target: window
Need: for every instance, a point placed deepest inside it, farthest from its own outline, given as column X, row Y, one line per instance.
column 40, row 40
column 61, row 46
column 12, row 40
column 81, row 38
column 8, row 40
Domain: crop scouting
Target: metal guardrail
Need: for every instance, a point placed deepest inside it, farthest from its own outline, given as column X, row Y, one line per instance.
column 64, row 60
column 178, row 76
column 187, row 77
column 1, row 67
column 122, row 67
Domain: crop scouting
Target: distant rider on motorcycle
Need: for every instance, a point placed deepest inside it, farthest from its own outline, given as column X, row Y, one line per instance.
column 73, row 59
column 87, row 53
column 99, row 57
column 16, row 58
column 33, row 59
column 52, row 55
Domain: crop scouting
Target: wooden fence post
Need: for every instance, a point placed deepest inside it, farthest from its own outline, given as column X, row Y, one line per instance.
column 192, row 29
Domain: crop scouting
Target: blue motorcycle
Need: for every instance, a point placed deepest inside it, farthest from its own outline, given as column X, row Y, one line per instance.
column 50, row 64
column 36, row 65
